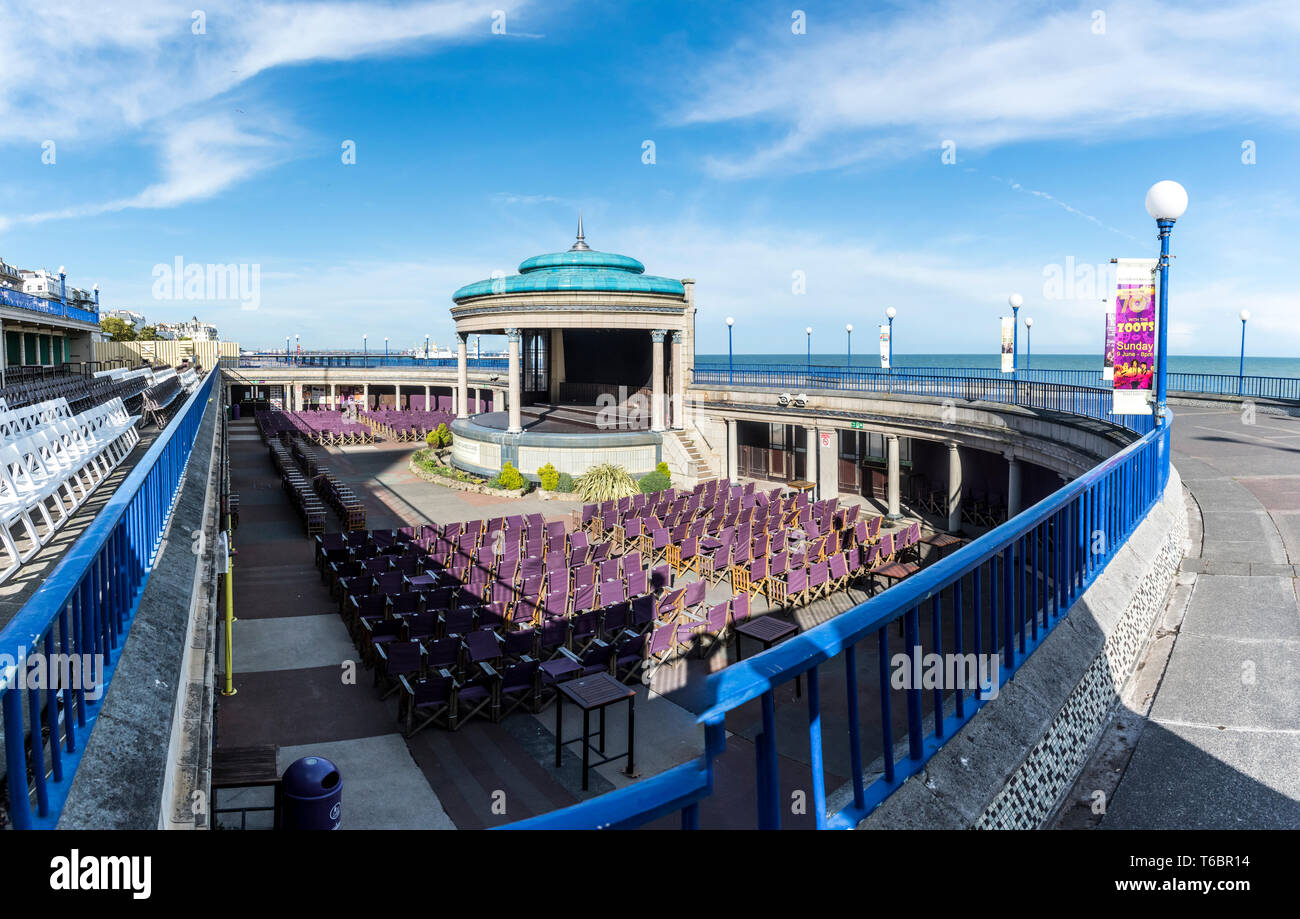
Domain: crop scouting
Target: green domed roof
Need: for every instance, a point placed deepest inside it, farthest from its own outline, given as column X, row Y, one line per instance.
column 579, row 268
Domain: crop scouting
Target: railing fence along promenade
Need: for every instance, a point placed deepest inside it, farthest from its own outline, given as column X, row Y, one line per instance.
column 82, row 613
column 16, row 299
column 829, row 376
column 272, row 360
column 999, row 595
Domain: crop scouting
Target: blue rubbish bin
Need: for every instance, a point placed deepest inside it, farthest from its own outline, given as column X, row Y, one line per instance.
column 234, row 410
column 311, row 791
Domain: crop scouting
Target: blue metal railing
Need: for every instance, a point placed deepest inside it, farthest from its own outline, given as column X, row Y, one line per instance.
column 361, row 361
column 997, row 598
column 82, row 611
column 16, row 299
column 868, row 379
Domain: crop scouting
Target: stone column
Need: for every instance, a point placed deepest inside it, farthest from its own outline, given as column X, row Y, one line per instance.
column 426, row 398
column 516, row 384
column 828, row 467
column 657, row 379
column 954, row 487
column 891, row 443
column 555, row 368
column 365, row 396
column 462, row 374
column 397, row 396
column 1013, row 485
column 679, row 383
column 810, row 457
column 733, row 457
column 498, row 402
column 333, row 399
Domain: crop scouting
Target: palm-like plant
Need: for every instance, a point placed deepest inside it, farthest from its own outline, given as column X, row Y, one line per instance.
column 605, row 482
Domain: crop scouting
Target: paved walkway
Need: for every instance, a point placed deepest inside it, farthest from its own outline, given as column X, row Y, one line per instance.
column 1220, row 747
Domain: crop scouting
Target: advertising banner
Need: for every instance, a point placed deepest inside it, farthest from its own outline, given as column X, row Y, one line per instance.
column 1008, row 344
column 1135, row 336
column 1108, row 347
column 884, row 347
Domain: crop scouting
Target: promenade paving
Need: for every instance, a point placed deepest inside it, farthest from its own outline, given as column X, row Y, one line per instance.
column 1220, row 746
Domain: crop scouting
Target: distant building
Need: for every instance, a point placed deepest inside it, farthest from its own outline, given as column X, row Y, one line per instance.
column 130, row 317
column 193, row 328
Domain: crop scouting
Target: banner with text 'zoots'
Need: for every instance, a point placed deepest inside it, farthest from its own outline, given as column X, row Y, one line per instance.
column 1108, row 347
column 1135, row 335
column 1008, row 344
column 884, row 347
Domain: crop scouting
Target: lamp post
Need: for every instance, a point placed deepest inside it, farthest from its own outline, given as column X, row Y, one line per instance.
column 1166, row 201
column 848, row 328
column 809, row 332
column 731, row 366
column 297, row 350
column 1241, row 368
column 426, row 347
column 890, row 314
column 385, row 350
column 286, row 350
column 1016, row 301
column 1029, row 343
column 365, row 351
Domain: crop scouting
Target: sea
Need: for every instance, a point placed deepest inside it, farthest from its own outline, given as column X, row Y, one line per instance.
column 1178, row 363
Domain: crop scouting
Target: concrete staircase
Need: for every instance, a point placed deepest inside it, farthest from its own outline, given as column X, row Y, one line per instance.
column 699, row 467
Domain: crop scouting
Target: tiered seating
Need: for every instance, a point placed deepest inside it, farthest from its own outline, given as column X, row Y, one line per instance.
column 163, row 397
column 340, row 497
column 405, row 426
column 80, row 392
column 51, row 461
column 327, row 428
column 299, row 488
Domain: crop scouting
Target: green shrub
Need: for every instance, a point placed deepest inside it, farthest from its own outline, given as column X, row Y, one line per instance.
column 662, row 469
column 549, row 477
column 431, row 439
column 605, row 482
column 443, row 435
column 564, row 484
column 653, row 481
column 510, row 477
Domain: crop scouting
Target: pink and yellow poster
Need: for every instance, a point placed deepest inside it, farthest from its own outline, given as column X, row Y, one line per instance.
column 1135, row 336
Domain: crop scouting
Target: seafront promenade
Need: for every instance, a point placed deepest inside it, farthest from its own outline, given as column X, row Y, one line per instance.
column 1220, row 744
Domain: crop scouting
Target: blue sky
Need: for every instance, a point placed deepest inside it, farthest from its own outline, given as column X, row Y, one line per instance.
column 775, row 153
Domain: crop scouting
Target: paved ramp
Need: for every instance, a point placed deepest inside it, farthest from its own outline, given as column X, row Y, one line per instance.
column 1221, row 745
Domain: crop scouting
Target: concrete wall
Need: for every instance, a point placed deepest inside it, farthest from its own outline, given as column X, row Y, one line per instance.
column 135, row 353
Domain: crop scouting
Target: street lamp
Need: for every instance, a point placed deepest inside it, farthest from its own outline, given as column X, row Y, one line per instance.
column 297, row 349
column 426, row 347
column 385, row 350
column 848, row 327
column 731, row 365
column 1016, row 301
column 809, row 332
column 1166, row 202
column 1029, row 343
column 1241, row 370
column 286, row 350
column 365, row 351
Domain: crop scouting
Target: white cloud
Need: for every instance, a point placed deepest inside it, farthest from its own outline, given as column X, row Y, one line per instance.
column 137, row 71
column 989, row 74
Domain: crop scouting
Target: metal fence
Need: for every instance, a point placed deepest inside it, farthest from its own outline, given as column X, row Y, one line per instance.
column 826, row 376
column 362, row 361
column 16, row 299
column 996, row 598
column 81, row 614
